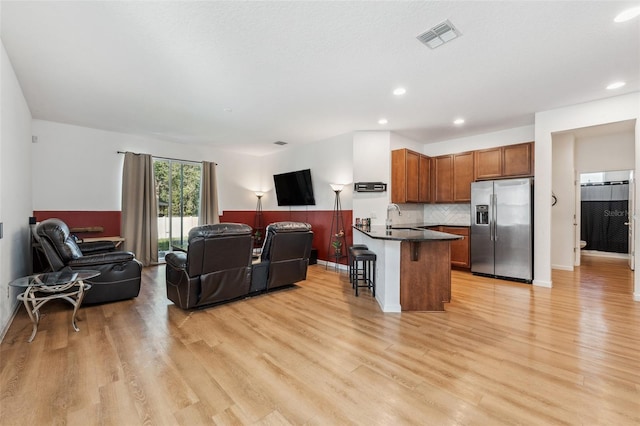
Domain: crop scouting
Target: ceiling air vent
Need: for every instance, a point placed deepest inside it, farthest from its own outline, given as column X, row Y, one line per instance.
column 439, row 35
column 279, row 143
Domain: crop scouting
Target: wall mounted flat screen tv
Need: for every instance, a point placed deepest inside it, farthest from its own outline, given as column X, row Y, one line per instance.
column 294, row 188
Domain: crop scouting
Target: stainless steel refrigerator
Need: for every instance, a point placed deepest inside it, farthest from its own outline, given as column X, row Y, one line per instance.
column 502, row 228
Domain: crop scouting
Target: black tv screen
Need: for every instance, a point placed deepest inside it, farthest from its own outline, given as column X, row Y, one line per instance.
column 294, row 188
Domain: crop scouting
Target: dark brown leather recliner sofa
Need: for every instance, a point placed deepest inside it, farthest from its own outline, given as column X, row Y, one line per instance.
column 217, row 266
column 120, row 272
column 285, row 256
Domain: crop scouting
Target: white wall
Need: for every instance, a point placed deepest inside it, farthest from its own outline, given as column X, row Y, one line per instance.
column 372, row 163
column 397, row 142
column 483, row 141
column 611, row 110
column 605, row 152
column 330, row 161
column 15, row 187
column 562, row 227
column 78, row 168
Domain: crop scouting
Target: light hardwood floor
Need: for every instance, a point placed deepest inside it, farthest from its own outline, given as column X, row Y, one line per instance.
column 502, row 353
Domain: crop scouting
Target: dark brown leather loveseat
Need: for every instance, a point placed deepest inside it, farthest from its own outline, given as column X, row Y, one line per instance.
column 285, row 256
column 120, row 272
column 216, row 267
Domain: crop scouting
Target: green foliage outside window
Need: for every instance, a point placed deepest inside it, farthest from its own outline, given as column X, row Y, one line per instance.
column 185, row 181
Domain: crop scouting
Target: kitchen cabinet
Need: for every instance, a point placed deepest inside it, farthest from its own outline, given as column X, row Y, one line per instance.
column 443, row 179
column 410, row 177
column 505, row 161
column 460, row 249
column 452, row 177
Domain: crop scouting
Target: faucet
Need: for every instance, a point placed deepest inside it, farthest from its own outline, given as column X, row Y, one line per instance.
column 389, row 208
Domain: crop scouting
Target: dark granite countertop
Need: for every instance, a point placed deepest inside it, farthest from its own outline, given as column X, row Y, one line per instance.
column 406, row 234
column 423, row 225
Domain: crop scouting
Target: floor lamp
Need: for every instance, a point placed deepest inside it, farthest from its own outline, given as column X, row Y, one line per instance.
column 258, row 224
column 336, row 238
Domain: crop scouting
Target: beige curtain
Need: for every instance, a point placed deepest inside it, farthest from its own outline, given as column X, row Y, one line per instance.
column 140, row 208
column 208, row 195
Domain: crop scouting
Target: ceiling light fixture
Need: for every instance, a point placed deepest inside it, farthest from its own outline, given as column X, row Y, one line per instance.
column 616, row 85
column 280, row 143
column 628, row 14
column 382, row 121
column 458, row 121
column 439, row 35
column 400, row 91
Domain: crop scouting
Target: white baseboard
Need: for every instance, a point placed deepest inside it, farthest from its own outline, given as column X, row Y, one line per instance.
column 3, row 332
column 562, row 267
column 540, row 283
column 604, row 254
column 332, row 265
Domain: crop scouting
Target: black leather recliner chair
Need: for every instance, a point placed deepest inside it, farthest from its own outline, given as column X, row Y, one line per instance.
column 285, row 256
column 216, row 267
column 120, row 272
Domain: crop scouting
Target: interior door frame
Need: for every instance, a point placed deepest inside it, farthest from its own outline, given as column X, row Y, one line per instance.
column 577, row 215
column 631, row 220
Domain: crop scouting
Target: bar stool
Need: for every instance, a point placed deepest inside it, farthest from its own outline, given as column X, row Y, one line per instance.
column 364, row 269
column 350, row 258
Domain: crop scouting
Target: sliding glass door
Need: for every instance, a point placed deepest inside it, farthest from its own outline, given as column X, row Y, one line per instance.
column 178, row 189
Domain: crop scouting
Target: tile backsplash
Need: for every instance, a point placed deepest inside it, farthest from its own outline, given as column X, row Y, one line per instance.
column 448, row 214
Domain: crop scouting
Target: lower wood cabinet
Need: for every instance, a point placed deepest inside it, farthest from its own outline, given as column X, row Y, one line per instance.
column 460, row 249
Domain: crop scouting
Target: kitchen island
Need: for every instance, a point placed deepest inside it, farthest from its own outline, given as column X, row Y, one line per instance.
column 414, row 266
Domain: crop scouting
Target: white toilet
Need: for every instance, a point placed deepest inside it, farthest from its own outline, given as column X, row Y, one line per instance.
column 583, row 244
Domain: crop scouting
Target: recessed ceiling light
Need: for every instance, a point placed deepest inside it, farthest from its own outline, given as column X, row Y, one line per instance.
column 616, row 85
column 382, row 121
column 627, row 14
column 458, row 121
column 228, row 110
column 400, row 91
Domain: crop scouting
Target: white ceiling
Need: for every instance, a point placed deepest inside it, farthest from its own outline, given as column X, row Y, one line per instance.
column 300, row 72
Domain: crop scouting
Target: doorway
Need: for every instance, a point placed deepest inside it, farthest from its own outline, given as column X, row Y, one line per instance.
column 603, row 226
column 591, row 151
column 178, row 190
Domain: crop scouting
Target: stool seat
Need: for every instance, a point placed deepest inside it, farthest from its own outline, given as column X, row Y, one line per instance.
column 364, row 254
column 363, row 264
column 350, row 258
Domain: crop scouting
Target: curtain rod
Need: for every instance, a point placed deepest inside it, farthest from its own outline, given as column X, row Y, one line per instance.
column 164, row 158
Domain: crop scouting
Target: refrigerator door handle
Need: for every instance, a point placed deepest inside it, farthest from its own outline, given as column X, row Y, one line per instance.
column 491, row 217
column 494, row 214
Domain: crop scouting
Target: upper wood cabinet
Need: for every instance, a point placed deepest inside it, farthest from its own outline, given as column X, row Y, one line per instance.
column 443, row 179
column 410, row 174
column 452, row 177
column 505, row 161
column 462, row 176
column 424, row 179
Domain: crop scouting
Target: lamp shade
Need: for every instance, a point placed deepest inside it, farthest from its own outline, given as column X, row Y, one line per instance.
column 259, row 194
column 337, row 187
